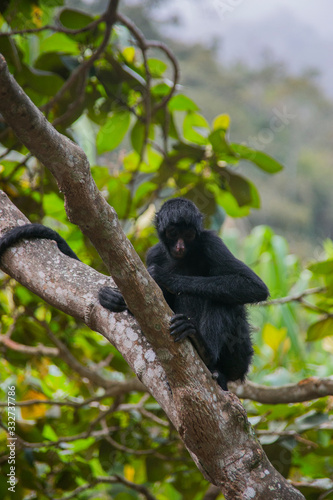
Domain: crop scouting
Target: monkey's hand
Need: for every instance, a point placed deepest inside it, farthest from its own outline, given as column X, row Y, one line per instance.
column 181, row 327
column 111, row 299
column 163, row 278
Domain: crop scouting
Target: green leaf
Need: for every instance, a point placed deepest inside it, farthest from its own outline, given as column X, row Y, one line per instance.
column 137, row 136
column 74, row 19
column 182, row 103
column 143, row 192
column 119, row 197
column 131, row 161
column 262, row 160
column 240, row 188
column 320, row 329
column 221, row 122
column 195, row 128
column 324, row 267
column 59, row 42
column 160, row 90
column 43, row 82
column 154, row 160
column 230, row 205
column 156, row 67
column 218, row 140
column 112, row 133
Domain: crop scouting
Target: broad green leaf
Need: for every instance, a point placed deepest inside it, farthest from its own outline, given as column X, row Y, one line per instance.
column 221, row 121
column 53, row 205
column 181, row 102
column 144, row 191
column 320, row 329
column 101, row 176
column 74, row 19
column 230, row 205
column 49, row 433
column 154, row 160
column 112, row 133
column 43, row 82
column 324, row 267
column 59, row 42
column 218, row 141
column 131, row 161
column 262, row 160
column 195, row 128
column 160, row 90
column 182, row 150
column 82, row 444
column 156, row 67
column 239, row 187
column 119, row 196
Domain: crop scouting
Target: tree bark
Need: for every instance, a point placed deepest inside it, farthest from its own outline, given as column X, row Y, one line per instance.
column 212, row 423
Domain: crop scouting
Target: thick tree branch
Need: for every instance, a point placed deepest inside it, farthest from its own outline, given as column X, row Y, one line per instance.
column 212, row 423
column 305, row 390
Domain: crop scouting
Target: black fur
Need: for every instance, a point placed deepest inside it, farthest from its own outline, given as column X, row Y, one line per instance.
column 207, row 287
column 32, row 232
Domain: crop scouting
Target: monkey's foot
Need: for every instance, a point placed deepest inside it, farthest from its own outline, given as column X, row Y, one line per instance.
column 111, row 299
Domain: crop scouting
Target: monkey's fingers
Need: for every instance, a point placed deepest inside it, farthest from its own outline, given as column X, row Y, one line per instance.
column 179, row 327
column 187, row 333
column 178, row 319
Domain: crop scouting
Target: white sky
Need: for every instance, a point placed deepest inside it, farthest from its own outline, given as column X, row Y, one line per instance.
column 317, row 13
column 205, row 18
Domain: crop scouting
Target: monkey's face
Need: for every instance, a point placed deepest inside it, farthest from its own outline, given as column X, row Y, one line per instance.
column 179, row 239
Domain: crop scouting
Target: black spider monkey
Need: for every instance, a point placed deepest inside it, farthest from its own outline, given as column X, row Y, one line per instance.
column 206, row 287
column 203, row 283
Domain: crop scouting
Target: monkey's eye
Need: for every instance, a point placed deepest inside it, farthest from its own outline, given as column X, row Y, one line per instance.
column 172, row 233
column 189, row 234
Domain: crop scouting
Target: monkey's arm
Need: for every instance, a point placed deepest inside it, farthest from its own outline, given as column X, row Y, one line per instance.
column 233, row 289
column 230, row 281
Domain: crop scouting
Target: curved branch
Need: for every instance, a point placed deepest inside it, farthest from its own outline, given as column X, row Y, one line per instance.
column 58, row 29
column 81, row 71
column 305, row 390
column 40, row 350
column 147, row 44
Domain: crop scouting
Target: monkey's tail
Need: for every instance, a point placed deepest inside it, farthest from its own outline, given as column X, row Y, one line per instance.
column 34, row 231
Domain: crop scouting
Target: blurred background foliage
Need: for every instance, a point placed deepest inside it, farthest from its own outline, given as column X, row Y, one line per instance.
column 208, row 142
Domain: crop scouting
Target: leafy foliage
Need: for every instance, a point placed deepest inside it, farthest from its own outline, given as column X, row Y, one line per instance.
column 146, row 142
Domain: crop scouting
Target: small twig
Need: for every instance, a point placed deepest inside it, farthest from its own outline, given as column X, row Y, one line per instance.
column 116, row 389
column 293, row 298
column 58, row 29
column 111, row 480
column 294, row 434
column 40, row 350
column 148, row 44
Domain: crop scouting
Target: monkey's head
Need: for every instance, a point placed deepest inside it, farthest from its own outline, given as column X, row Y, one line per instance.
column 179, row 224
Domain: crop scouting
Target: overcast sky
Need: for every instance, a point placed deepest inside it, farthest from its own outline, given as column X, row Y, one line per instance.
column 297, row 32
column 316, row 13
column 203, row 19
